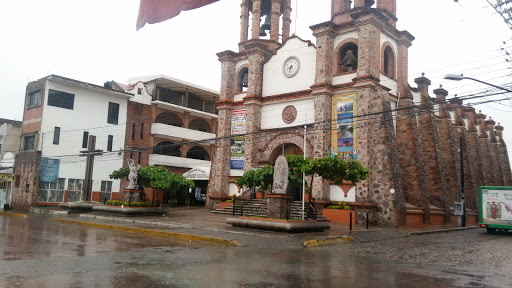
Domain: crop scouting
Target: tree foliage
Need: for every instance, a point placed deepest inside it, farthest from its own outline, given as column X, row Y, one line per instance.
column 262, row 177
column 338, row 170
column 157, row 177
column 332, row 169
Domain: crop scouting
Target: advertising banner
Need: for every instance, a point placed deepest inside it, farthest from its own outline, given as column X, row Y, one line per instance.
column 344, row 126
column 238, row 127
column 497, row 206
column 49, row 170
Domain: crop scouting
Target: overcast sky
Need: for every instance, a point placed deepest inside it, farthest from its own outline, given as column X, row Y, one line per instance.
column 96, row 41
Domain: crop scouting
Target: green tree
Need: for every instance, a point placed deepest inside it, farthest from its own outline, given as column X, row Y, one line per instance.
column 338, row 170
column 157, row 177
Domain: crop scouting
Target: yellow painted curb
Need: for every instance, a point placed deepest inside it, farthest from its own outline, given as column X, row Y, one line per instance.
column 327, row 241
column 153, row 232
column 13, row 214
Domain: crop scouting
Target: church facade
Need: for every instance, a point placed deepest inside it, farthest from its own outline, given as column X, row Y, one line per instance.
column 348, row 94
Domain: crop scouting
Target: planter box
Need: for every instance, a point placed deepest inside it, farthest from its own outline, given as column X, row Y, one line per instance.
column 259, row 195
column 225, row 205
column 339, row 216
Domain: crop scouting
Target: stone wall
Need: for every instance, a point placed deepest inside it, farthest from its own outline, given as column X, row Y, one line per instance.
column 26, row 180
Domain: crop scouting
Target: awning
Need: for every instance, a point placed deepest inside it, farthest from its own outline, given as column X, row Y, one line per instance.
column 198, row 173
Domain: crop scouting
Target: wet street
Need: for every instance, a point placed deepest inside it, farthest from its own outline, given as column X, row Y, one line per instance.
column 35, row 252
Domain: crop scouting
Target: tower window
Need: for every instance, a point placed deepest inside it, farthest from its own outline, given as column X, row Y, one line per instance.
column 243, row 80
column 388, row 62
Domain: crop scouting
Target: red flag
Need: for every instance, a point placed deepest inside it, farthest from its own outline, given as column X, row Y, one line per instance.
column 155, row 11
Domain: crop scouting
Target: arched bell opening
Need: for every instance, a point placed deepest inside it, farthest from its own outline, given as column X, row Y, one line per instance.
column 348, row 58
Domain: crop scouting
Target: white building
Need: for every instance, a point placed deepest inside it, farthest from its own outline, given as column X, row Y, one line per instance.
column 60, row 115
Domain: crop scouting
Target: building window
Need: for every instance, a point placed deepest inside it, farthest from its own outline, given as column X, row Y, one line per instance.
column 141, row 130
column 389, row 62
column 243, row 80
column 29, row 142
column 0, row 148
column 105, row 191
column 113, row 113
column 34, row 99
column 75, row 189
column 56, row 135
column 133, row 131
column 51, row 192
column 110, row 142
column 139, row 91
column 140, row 156
column 131, row 155
column 61, row 99
column 85, row 139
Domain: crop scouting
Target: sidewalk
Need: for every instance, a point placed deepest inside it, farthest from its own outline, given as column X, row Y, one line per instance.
column 200, row 224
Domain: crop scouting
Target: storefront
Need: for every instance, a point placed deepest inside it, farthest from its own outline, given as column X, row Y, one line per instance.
column 200, row 176
column 5, row 188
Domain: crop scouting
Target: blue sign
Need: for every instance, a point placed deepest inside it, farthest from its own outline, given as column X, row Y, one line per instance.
column 49, row 170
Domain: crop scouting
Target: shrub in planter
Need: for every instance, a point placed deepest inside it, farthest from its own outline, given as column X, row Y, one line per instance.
column 128, row 204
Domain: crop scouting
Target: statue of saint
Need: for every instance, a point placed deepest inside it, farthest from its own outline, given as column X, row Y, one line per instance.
column 281, row 175
column 132, row 177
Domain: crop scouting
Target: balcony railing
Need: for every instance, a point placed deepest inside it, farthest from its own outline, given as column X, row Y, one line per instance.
column 179, row 133
column 156, row 160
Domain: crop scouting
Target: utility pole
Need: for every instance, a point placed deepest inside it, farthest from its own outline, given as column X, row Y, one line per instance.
column 89, row 166
column 463, row 222
column 504, row 8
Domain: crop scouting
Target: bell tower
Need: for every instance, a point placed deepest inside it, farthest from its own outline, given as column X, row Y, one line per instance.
column 261, row 20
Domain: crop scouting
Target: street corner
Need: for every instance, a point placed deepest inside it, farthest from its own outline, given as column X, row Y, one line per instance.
column 13, row 214
column 328, row 241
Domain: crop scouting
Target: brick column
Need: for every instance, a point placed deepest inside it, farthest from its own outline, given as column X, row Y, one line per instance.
column 218, row 185
column 429, row 141
column 487, row 163
column 338, row 8
column 244, row 21
column 503, row 155
column 403, row 66
column 323, row 104
column 448, row 152
column 368, row 51
column 359, row 3
column 275, row 14
column 389, row 6
column 287, row 21
column 253, row 112
column 256, row 17
column 474, row 147
column 493, row 147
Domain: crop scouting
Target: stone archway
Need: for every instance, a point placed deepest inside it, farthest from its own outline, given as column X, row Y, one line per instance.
column 278, row 141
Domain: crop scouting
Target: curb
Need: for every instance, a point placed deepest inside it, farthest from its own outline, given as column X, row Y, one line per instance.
column 441, row 231
column 190, row 237
column 327, row 241
column 13, row 214
column 45, row 211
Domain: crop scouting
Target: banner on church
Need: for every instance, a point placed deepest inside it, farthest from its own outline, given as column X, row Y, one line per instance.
column 344, row 122
column 238, row 130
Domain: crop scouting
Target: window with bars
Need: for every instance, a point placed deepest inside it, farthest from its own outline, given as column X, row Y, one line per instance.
column 51, row 192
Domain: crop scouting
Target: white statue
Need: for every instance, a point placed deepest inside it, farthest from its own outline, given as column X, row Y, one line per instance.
column 132, row 177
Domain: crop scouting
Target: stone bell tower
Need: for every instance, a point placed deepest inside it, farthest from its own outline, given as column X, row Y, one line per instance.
column 264, row 26
column 362, row 57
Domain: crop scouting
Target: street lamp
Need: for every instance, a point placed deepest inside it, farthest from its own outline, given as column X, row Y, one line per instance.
column 457, row 77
